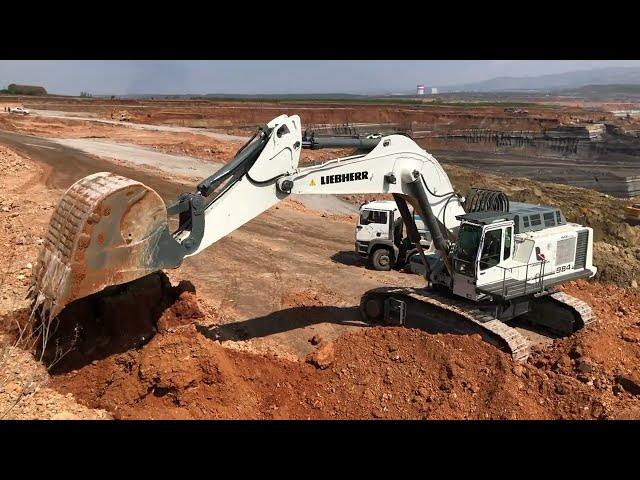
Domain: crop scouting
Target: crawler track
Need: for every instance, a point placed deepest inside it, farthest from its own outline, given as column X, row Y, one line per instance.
column 440, row 313
column 583, row 313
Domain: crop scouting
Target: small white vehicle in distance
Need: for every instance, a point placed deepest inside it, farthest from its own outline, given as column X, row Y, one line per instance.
column 19, row 110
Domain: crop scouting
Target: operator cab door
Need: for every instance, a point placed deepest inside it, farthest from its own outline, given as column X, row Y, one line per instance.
column 372, row 225
column 496, row 249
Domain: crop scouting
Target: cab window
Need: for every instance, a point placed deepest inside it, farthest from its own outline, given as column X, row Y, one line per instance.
column 492, row 249
column 469, row 237
column 372, row 216
column 507, row 243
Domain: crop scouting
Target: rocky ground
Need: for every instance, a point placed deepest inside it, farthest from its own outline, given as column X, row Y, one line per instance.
column 25, row 394
column 23, row 379
column 372, row 373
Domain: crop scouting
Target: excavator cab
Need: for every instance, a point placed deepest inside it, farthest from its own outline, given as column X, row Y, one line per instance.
column 481, row 254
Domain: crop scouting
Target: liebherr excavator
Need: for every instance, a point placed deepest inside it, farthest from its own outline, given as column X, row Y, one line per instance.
column 493, row 261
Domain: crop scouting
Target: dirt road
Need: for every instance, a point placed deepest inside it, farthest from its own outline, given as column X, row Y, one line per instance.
column 141, row 126
column 259, row 276
column 181, row 165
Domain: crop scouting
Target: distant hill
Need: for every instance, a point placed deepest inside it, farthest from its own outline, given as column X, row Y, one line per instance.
column 602, row 91
column 599, row 76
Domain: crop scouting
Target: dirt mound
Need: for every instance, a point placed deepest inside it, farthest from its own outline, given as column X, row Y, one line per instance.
column 606, row 356
column 181, row 375
column 119, row 319
column 617, row 265
column 613, row 343
column 372, row 373
column 394, row 373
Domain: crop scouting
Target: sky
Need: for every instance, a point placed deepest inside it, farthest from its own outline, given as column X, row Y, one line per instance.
column 126, row 77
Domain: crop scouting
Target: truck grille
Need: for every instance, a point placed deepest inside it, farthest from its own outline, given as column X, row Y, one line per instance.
column 581, row 249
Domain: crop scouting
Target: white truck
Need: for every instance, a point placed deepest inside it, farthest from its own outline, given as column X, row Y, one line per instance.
column 19, row 110
column 381, row 237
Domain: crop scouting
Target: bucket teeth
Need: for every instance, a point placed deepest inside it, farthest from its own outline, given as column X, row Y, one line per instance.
column 103, row 232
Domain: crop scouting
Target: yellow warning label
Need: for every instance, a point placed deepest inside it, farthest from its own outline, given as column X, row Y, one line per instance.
column 312, row 183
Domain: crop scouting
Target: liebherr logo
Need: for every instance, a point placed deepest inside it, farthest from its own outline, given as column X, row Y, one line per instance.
column 344, row 177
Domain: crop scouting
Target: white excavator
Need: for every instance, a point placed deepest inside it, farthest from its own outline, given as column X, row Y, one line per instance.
column 492, row 261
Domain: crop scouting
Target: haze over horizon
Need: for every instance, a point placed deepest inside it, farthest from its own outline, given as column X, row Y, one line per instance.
column 166, row 77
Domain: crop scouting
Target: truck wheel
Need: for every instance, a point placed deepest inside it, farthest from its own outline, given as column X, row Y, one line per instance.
column 382, row 259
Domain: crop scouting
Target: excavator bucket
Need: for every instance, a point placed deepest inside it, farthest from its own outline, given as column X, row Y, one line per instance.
column 105, row 231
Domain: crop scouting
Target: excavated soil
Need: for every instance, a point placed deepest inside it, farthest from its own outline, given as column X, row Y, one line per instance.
column 117, row 320
column 372, row 373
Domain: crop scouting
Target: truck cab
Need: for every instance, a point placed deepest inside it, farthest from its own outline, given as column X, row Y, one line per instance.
column 381, row 238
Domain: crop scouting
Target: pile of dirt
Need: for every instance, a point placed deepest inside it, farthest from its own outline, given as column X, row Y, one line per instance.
column 606, row 356
column 375, row 373
column 118, row 319
column 617, row 265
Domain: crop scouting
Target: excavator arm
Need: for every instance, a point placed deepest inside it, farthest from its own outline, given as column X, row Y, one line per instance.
column 110, row 230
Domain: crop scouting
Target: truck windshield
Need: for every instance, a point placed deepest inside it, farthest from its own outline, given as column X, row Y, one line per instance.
column 468, row 242
column 372, row 216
